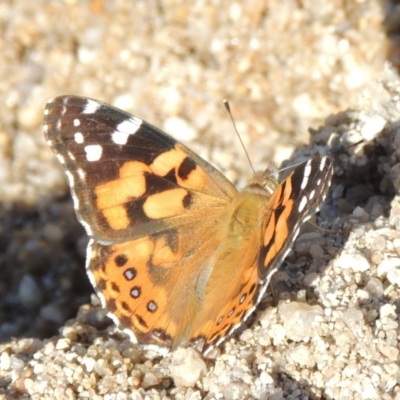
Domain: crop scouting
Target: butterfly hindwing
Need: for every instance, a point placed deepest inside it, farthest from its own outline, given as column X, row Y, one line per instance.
column 150, row 284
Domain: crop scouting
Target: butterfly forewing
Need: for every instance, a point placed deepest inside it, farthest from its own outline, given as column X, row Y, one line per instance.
column 120, row 169
column 296, row 198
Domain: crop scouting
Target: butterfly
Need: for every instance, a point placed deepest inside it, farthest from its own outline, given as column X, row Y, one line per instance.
column 176, row 254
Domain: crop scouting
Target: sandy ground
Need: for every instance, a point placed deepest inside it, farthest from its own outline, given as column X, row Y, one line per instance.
column 330, row 327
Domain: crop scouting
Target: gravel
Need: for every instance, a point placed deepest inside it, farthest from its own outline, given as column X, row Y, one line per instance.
column 328, row 328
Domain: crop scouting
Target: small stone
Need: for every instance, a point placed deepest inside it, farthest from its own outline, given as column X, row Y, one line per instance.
column 396, row 245
column 390, row 352
column 237, row 390
column 265, row 378
column 301, row 355
column 16, row 363
column 387, row 265
column 372, row 127
column 362, row 295
column 395, row 176
column 149, row 380
column 89, row 363
column 316, row 250
column 52, row 312
column 29, row 292
column 63, row 344
column 369, row 392
column 379, row 244
column 311, row 280
column 246, row 335
column 352, row 317
column 5, row 361
column 361, row 214
column 371, row 316
column 305, row 241
column 350, row 370
column 375, row 287
column 264, row 340
column 355, row 262
column 376, row 258
column 393, row 276
column 392, row 368
column 187, row 367
column 277, row 333
column 388, row 311
column 299, row 319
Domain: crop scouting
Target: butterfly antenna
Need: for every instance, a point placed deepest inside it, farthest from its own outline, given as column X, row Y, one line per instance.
column 228, row 108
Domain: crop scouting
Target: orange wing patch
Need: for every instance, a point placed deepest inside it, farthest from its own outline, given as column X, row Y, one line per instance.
column 139, row 298
column 166, row 204
column 236, row 308
column 111, row 197
column 276, row 230
column 114, row 198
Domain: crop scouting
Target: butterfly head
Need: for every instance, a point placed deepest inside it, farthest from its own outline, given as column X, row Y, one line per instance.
column 266, row 180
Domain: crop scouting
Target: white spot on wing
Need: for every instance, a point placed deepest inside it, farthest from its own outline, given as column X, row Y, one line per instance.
column 130, row 125
column 312, row 194
column 120, row 137
column 91, row 107
column 93, row 152
column 81, row 173
column 303, row 203
column 85, row 225
column 307, row 171
column 70, row 179
column 297, row 229
column 60, row 158
column 77, row 122
column 129, row 275
column 78, row 137
column 322, row 165
column 75, row 198
column 64, row 109
column 124, row 129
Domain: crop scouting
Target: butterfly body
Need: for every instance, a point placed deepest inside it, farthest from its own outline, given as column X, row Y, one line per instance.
column 177, row 255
